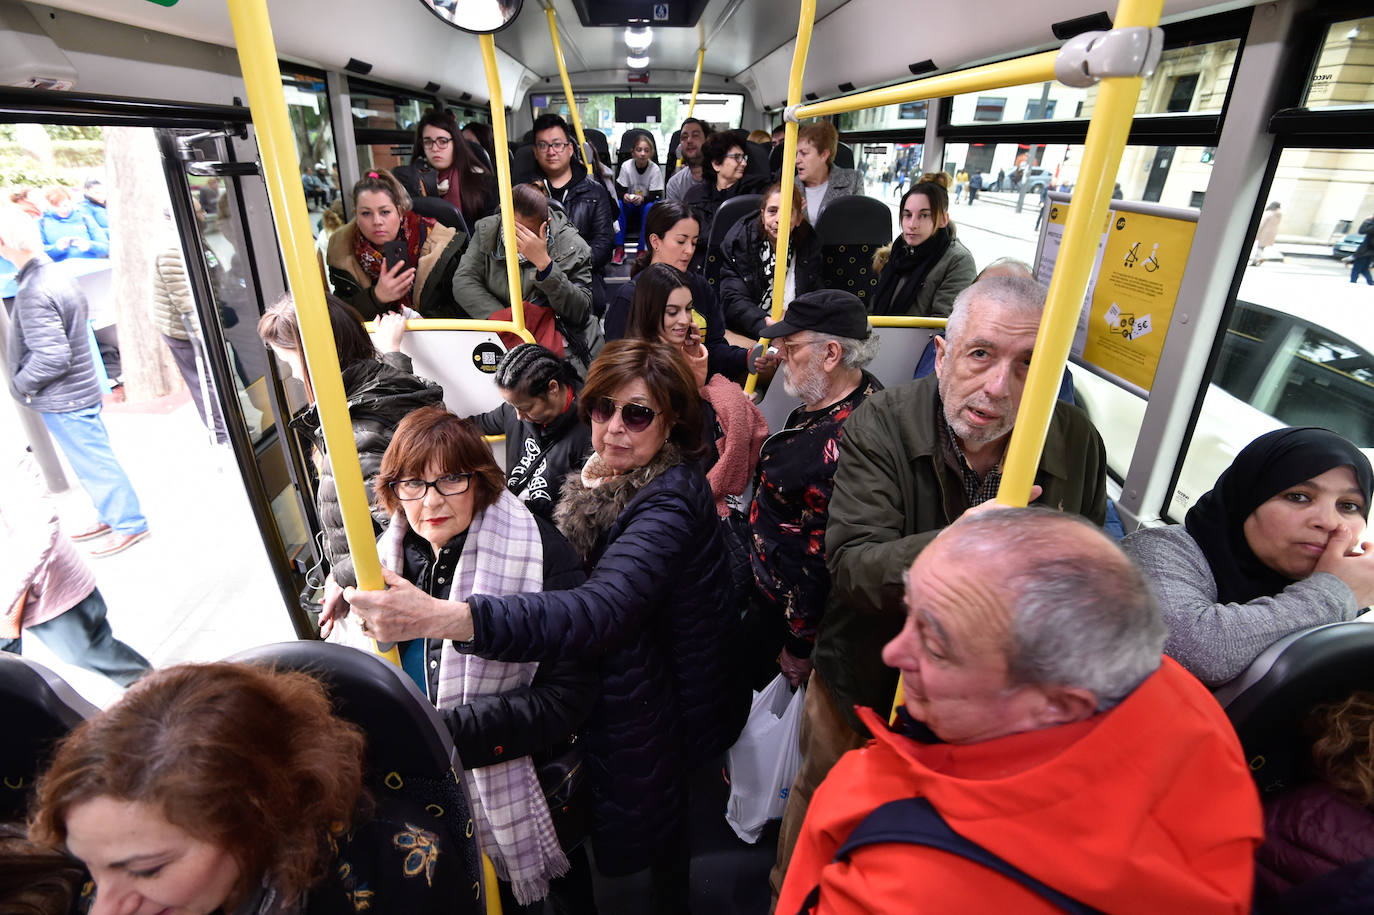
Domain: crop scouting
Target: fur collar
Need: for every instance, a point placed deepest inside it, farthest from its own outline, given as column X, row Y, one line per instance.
column 592, row 501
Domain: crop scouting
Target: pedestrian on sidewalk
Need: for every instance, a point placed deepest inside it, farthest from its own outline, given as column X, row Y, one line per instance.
column 50, row 592
column 52, row 373
column 1359, row 264
column 1268, row 232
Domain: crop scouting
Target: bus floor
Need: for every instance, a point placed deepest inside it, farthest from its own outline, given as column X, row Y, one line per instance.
column 201, row 587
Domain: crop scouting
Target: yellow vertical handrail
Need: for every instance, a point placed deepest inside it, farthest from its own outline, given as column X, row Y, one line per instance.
column 503, row 179
column 1107, row 131
column 788, row 178
column 262, row 79
column 696, row 85
column 552, row 16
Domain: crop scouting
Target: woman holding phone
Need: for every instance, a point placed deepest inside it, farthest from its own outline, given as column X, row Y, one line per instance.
column 388, row 257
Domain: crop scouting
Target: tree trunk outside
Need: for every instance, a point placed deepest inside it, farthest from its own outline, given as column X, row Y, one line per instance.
column 137, row 199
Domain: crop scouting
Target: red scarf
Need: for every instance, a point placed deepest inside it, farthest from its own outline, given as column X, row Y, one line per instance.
column 414, row 229
column 455, row 184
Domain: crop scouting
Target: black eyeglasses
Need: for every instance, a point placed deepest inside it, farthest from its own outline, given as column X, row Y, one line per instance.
column 635, row 416
column 738, row 157
column 450, row 484
column 556, row 146
column 436, row 142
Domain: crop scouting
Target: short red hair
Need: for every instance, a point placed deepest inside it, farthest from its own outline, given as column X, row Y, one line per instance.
column 434, row 434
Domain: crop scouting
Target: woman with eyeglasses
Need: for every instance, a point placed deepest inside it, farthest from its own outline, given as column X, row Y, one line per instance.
column 380, row 389
column 656, row 614
column 389, row 258
column 662, row 311
column 455, row 529
column 443, row 166
column 725, row 159
column 673, row 232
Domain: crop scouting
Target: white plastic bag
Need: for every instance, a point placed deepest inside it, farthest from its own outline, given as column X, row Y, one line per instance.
column 765, row 759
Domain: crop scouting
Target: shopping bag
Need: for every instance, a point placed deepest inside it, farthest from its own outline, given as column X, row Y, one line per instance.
column 765, row 759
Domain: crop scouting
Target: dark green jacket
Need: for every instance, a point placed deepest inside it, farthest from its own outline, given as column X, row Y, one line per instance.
column 893, row 494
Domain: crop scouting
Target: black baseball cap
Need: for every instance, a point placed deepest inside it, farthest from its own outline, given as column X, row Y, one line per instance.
column 826, row 311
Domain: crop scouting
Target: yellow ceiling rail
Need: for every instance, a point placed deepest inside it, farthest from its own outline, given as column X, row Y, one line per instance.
column 576, row 117
column 262, row 78
column 788, row 178
column 1106, row 140
column 696, row 84
column 1033, row 68
column 503, row 179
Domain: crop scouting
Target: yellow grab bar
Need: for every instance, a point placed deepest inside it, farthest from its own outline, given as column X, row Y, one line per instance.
column 788, row 178
column 503, row 179
column 552, row 16
column 696, row 84
column 262, row 79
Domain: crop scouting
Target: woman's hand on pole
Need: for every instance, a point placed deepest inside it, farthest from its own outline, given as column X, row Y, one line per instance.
column 404, row 612
column 391, row 327
column 394, row 283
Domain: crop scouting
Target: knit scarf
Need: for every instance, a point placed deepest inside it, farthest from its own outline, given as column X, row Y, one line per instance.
column 503, row 554
column 906, row 272
column 592, row 500
column 414, row 228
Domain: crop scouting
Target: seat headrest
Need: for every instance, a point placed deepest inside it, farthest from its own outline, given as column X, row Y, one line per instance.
column 844, row 156
column 440, row 210
column 405, row 733
column 40, row 708
column 1269, row 703
column 729, row 214
column 855, row 220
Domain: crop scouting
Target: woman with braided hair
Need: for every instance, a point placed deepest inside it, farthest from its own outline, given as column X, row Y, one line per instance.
column 545, row 438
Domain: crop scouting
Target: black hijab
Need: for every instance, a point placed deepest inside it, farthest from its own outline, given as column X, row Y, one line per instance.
column 906, row 271
column 1263, row 469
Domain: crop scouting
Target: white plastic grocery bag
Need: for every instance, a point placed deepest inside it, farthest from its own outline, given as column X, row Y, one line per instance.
column 765, row 759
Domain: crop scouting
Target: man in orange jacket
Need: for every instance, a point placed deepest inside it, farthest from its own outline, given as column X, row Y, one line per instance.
column 1047, row 758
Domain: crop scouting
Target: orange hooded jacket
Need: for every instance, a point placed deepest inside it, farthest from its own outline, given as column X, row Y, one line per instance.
column 1146, row 808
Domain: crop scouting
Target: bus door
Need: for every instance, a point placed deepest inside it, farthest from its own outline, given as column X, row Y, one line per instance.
column 220, row 205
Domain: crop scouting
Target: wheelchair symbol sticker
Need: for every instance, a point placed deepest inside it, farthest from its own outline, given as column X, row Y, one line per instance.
column 660, row 12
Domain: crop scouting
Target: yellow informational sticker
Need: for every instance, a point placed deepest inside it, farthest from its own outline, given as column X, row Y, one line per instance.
column 1134, row 293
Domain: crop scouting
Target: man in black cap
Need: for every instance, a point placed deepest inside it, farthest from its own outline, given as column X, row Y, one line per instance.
column 823, row 343
column 914, row 458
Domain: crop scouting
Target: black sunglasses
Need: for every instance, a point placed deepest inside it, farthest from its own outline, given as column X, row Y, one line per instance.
column 635, row 416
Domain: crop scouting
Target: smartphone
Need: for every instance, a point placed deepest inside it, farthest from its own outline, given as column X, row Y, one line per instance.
column 394, row 252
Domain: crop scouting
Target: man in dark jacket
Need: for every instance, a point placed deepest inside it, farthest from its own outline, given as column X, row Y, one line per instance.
column 586, row 201
column 914, row 458
column 824, row 341
column 53, row 374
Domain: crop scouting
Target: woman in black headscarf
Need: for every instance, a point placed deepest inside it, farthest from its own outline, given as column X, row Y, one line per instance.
column 926, row 266
column 1272, row 549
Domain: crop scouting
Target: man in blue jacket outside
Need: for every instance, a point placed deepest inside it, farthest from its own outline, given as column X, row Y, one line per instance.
column 52, row 373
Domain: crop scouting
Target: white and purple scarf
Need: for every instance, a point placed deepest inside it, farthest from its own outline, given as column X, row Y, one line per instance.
column 503, row 554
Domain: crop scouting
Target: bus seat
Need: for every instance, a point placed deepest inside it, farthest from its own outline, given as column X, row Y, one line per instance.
column 898, row 353
column 40, row 708
column 462, row 362
column 844, row 156
column 409, row 750
column 479, row 152
column 851, row 230
column 524, row 167
column 729, row 213
column 440, row 210
column 628, row 139
column 600, row 144
column 1269, row 702
column 670, row 157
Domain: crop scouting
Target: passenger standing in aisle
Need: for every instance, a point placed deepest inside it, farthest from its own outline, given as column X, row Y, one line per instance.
column 52, row 373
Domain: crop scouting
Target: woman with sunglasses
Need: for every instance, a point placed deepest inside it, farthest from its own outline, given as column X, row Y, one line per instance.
column 662, row 311
column 657, row 615
column 443, row 166
column 389, row 258
column 380, row 389
column 673, row 232
column 724, row 160
column 454, row 529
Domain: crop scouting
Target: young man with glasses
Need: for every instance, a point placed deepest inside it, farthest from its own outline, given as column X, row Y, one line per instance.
column 585, row 200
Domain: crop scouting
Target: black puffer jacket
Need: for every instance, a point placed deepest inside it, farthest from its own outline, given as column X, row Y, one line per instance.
column 743, row 282
column 49, row 349
column 380, row 394
column 658, row 614
column 565, row 444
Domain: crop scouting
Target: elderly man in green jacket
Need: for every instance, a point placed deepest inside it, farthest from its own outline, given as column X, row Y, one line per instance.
column 913, row 459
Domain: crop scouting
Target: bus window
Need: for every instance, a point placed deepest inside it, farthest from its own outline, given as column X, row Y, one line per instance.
column 1298, row 348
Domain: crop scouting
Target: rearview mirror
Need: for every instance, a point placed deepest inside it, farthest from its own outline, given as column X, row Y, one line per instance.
column 481, row 17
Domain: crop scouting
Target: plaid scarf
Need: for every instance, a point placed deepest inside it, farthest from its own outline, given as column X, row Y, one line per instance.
column 503, row 554
column 414, row 228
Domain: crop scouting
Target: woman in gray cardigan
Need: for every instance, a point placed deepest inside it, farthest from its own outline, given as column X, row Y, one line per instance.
column 1272, row 549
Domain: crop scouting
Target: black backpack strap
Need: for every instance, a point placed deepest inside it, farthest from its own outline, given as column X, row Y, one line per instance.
column 914, row 821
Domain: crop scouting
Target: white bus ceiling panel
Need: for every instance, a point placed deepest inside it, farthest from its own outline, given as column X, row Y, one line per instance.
column 406, row 45
column 872, row 42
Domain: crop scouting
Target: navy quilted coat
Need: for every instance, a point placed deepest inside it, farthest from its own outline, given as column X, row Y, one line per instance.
column 659, row 615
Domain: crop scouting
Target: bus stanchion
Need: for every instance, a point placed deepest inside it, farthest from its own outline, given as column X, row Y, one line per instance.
column 503, row 182
column 576, row 116
column 262, row 78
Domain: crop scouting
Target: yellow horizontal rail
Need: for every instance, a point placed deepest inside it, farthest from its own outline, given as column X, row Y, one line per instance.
column 496, row 327
column 1033, row 68
column 905, row 321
